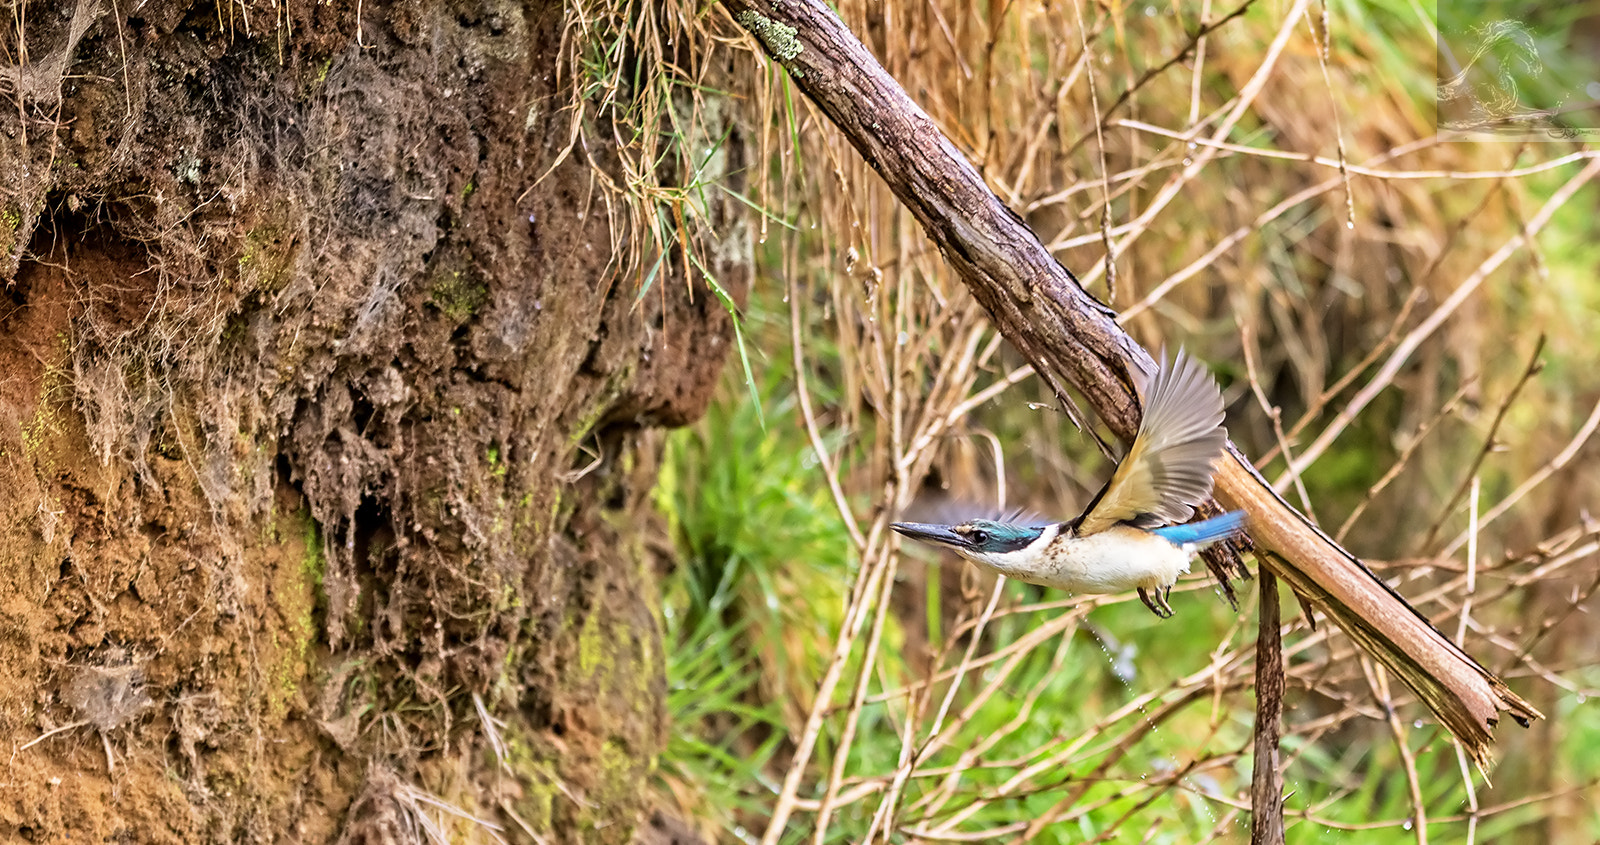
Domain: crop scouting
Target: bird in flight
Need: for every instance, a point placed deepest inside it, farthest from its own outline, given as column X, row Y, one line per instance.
column 1129, row 537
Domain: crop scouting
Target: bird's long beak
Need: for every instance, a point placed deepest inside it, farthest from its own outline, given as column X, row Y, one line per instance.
column 929, row 533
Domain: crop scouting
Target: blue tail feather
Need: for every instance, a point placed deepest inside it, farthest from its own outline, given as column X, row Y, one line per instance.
column 1204, row 532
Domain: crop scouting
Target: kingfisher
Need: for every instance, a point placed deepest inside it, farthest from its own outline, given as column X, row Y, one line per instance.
column 1130, row 536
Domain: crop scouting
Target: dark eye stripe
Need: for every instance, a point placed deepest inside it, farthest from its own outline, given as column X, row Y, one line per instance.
column 1017, row 544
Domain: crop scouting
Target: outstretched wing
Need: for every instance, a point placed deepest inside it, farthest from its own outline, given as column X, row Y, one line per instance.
column 1168, row 470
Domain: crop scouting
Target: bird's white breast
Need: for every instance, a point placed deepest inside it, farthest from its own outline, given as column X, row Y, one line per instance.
column 1111, row 561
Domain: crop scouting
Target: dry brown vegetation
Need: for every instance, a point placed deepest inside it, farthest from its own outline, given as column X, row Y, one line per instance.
column 1402, row 326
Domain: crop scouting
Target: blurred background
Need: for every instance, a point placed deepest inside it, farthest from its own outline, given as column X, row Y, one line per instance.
column 1401, row 360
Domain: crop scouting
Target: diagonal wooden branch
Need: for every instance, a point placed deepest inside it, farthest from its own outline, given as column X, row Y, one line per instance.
column 1070, row 337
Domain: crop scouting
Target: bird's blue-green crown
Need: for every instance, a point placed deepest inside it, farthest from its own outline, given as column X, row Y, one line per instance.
column 990, row 536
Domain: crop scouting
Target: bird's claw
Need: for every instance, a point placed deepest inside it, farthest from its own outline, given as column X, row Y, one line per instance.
column 1158, row 602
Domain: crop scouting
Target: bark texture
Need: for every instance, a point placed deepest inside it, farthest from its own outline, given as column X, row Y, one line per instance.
column 328, row 427
column 1266, row 776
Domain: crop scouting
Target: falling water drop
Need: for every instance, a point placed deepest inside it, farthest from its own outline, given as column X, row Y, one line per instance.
column 1121, row 656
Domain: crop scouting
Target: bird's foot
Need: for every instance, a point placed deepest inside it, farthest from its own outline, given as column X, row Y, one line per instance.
column 1157, row 603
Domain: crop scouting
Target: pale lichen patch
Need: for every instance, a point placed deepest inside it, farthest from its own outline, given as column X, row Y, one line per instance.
column 779, row 39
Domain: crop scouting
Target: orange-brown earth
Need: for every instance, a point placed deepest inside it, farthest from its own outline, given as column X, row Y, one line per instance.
column 327, row 428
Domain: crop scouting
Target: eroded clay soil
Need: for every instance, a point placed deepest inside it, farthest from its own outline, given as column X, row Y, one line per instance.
column 326, row 429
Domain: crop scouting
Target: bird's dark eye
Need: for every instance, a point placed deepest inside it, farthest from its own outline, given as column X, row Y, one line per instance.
column 978, row 537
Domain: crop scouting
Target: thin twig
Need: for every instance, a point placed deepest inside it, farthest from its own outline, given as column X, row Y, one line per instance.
column 1422, row 332
column 1490, row 441
column 1539, row 477
column 1379, row 681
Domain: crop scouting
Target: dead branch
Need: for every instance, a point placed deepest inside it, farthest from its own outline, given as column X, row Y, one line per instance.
column 1266, row 780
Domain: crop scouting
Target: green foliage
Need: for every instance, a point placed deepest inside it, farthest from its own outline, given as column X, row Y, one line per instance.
column 751, row 606
column 458, row 295
column 723, row 735
column 748, row 521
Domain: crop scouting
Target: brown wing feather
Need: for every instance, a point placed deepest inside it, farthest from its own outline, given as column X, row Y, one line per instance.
column 1168, row 471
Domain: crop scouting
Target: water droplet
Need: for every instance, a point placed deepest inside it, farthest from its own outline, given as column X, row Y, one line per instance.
column 903, row 339
column 1417, row 724
column 1582, row 698
column 1349, row 224
column 1149, row 11
column 1407, row 825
